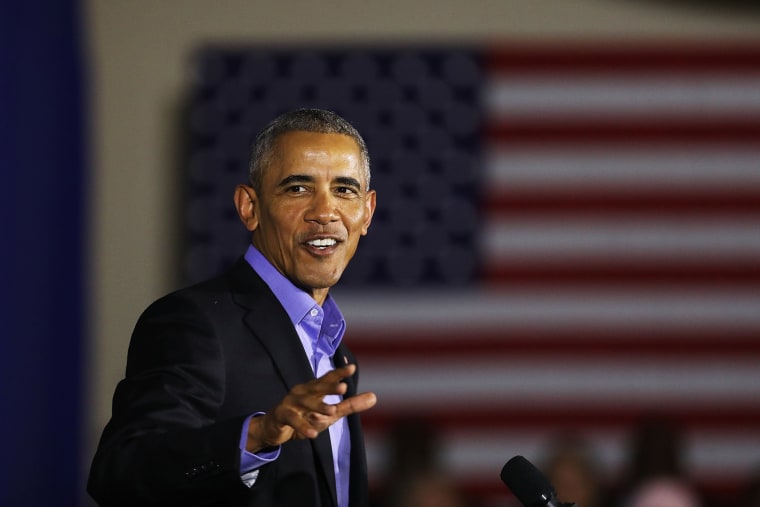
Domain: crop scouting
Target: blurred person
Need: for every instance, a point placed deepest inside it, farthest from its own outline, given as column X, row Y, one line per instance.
column 656, row 467
column 238, row 390
column 415, row 475
column 428, row 488
column 750, row 495
column 571, row 467
column 663, row 493
column 656, row 450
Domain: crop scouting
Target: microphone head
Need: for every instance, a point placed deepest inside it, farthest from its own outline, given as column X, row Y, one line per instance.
column 527, row 483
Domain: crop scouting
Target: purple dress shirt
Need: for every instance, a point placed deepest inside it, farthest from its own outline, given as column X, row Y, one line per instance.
column 320, row 329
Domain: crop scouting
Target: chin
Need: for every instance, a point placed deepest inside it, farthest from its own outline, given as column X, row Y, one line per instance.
column 320, row 275
column 317, row 281
column 323, row 283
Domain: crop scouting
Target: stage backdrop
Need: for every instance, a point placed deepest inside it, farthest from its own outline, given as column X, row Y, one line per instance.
column 567, row 238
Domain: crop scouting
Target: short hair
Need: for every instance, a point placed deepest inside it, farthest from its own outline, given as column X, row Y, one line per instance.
column 308, row 120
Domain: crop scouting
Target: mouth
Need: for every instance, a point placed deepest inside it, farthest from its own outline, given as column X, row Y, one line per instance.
column 322, row 243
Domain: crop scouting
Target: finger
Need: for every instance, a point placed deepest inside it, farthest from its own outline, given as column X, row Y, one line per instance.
column 312, row 403
column 322, row 408
column 355, row 404
column 312, row 423
column 319, row 388
column 338, row 374
column 311, row 399
column 329, row 383
column 302, row 423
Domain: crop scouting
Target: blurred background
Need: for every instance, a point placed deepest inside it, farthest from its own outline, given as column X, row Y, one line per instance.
column 564, row 263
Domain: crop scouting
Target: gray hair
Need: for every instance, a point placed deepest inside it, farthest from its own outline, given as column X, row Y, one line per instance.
column 308, row 120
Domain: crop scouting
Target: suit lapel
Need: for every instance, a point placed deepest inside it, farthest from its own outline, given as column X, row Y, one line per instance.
column 340, row 360
column 270, row 324
column 323, row 450
column 358, row 490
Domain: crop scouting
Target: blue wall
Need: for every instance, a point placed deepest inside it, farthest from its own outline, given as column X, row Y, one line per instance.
column 42, row 206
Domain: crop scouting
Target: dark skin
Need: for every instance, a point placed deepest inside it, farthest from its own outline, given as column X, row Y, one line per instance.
column 306, row 219
column 303, row 414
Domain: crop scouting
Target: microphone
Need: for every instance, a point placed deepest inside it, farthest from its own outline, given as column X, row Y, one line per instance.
column 529, row 485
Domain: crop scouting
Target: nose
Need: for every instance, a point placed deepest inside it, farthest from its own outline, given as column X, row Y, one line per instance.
column 323, row 208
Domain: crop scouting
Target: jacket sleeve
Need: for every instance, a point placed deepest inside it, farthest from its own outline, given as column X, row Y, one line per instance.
column 164, row 444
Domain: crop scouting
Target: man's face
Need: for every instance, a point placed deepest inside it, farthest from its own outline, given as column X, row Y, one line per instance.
column 312, row 208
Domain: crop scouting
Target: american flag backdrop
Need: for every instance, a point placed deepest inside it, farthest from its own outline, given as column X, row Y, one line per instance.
column 567, row 239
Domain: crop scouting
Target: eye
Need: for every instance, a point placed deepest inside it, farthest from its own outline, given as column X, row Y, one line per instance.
column 346, row 186
column 295, row 189
column 347, row 191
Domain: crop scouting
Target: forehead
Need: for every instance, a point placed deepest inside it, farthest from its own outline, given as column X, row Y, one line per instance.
column 314, row 155
column 316, row 148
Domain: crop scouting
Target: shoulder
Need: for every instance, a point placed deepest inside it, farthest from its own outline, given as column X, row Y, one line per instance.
column 185, row 322
column 193, row 301
column 206, row 294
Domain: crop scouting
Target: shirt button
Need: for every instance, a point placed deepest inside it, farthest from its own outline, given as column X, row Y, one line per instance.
column 314, row 312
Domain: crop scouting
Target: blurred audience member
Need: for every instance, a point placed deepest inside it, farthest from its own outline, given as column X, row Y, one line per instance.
column 656, row 450
column 571, row 467
column 415, row 475
column 656, row 475
column 750, row 496
column 663, row 493
column 427, row 489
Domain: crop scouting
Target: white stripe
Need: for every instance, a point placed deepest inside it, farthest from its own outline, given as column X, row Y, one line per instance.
column 515, row 169
column 589, row 97
column 470, row 456
column 616, row 236
column 561, row 381
column 723, row 452
column 475, row 455
column 398, row 314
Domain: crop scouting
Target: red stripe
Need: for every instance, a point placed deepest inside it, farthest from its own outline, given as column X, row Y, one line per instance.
column 634, row 273
column 590, row 200
column 624, row 416
column 627, row 131
column 580, row 342
column 666, row 57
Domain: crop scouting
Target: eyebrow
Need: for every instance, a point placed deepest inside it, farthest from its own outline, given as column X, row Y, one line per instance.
column 304, row 178
column 349, row 182
column 295, row 178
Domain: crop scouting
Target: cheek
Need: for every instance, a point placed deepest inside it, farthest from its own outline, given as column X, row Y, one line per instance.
column 283, row 222
column 278, row 235
column 357, row 217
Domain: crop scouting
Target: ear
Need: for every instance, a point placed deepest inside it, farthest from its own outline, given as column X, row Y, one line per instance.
column 245, row 203
column 370, row 209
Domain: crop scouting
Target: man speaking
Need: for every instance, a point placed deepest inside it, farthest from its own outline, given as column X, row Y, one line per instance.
column 238, row 390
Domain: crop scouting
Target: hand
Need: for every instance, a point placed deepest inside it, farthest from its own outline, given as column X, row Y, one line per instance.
column 303, row 412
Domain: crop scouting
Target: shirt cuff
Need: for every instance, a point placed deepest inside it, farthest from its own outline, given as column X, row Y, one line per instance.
column 251, row 462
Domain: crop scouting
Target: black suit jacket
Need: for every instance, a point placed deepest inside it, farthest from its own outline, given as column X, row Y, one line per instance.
column 200, row 361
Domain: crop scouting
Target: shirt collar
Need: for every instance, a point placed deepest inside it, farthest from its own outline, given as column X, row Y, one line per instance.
column 297, row 302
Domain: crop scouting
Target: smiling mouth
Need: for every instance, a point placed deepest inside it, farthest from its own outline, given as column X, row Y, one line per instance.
column 322, row 243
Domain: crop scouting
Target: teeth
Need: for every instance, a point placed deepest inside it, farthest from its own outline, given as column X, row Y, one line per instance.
column 322, row 243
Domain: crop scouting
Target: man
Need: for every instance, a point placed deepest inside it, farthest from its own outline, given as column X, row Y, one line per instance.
column 238, row 391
